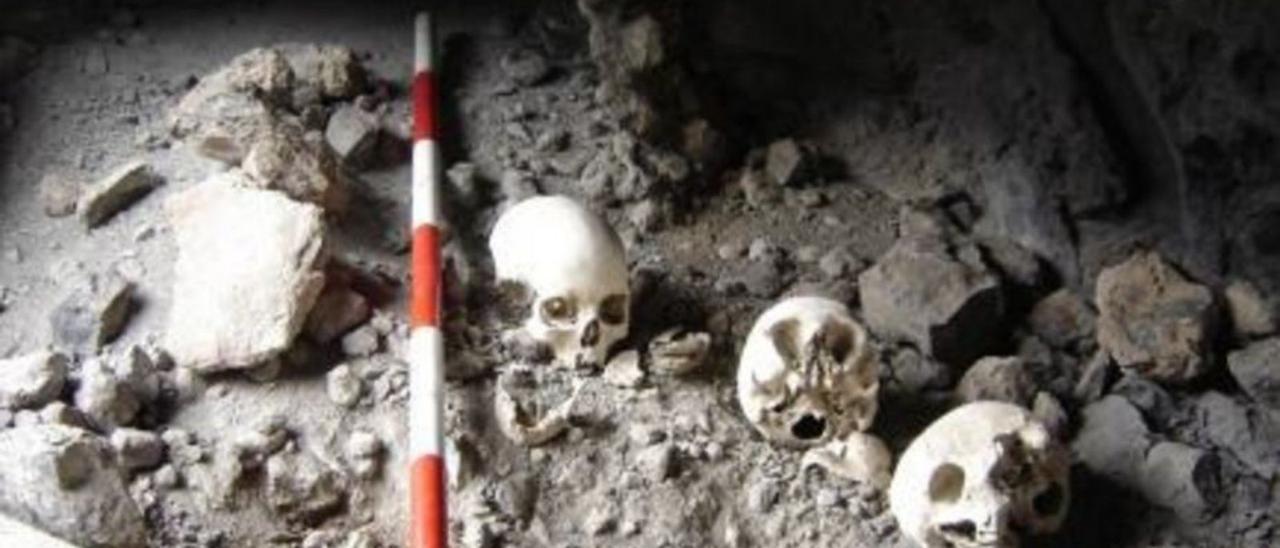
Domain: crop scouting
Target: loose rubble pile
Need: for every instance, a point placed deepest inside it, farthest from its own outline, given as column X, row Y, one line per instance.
column 922, row 317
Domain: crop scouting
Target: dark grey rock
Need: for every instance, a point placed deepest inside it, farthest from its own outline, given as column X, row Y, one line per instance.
column 997, row 378
column 1062, row 319
column 92, row 316
column 917, row 373
column 920, row 292
column 1257, row 369
column 1184, row 479
column 137, row 449
column 1252, row 438
column 1113, row 441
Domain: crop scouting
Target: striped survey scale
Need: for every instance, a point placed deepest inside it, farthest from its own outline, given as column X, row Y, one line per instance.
column 427, row 492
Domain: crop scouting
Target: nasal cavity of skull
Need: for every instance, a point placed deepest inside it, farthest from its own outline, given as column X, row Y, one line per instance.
column 1049, row 502
column 809, row 427
column 946, row 484
column 591, row 333
column 558, row 310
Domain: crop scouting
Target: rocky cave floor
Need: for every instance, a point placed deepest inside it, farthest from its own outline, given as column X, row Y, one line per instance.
column 1068, row 210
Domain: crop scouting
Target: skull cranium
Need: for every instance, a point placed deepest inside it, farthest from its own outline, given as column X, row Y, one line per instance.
column 570, row 266
column 982, row 475
column 808, row 374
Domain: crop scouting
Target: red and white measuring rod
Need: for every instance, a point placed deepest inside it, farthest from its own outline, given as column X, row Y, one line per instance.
column 428, row 486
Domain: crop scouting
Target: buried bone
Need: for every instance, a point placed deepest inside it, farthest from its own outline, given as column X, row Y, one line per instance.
column 569, row 265
column 979, row 476
column 808, row 374
column 858, row 457
column 533, row 407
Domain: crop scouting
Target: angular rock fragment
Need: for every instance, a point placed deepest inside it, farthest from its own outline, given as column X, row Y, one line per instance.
column 63, row 481
column 335, row 71
column 66, row 415
column 118, row 190
column 948, row 305
column 92, row 316
column 624, row 370
column 353, row 135
column 261, row 72
column 138, row 371
column 137, row 449
column 361, row 343
column 298, row 164
column 1251, row 316
column 1050, row 412
column 343, row 386
column 105, row 399
column 303, row 488
column 1062, row 319
column 248, row 272
column 1184, row 479
column 1257, row 369
column 31, row 381
column 916, row 373
column 1233, row 428
column 1113, row 441
column 785, row 162
column 1153, row 321
column 337, row 311
column 996, row 378
column 230, row 109
column 657, row 462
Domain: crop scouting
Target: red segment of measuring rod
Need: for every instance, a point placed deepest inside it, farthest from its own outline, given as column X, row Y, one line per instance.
column 424, row 308
column 424, row 106
column 430, row 520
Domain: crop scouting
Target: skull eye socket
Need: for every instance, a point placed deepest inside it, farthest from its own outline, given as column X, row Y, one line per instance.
column 947, row 483
column 558, row 310
column 613, row 310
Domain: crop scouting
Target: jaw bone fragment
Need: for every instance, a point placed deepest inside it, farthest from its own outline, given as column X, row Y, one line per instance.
column 534, row 408
column 858, row 457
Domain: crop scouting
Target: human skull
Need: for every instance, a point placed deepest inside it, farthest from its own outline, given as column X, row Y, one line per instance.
column 808, row 373
column 569, row 266
column 982, row 475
